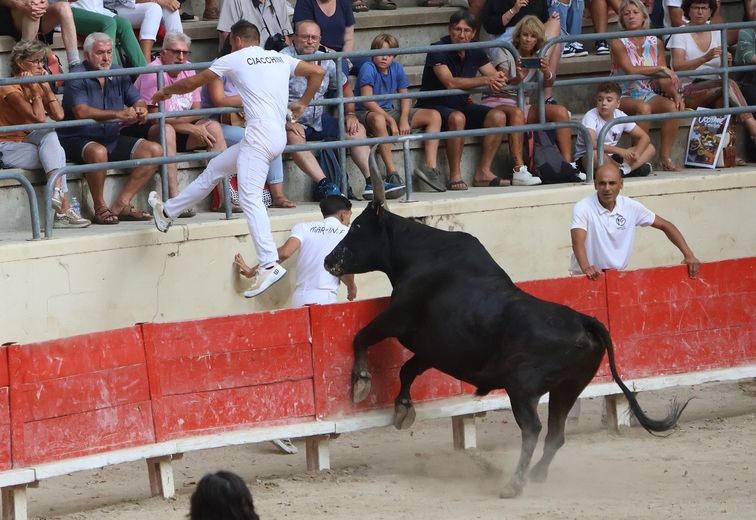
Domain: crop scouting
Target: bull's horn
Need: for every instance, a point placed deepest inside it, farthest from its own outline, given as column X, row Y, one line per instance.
column 379, row 194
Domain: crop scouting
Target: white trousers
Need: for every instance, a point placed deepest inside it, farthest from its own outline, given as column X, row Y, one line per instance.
column 39, row 149
column 146, row 17
column 250, row 164
column 302, row 297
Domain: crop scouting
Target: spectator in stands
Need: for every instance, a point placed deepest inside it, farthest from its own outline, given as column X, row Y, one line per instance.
column 25, row 19
column 459, row 70
column 633, row 161
column 384, row 75
column 316, row 124
column 269, row 16
column 500, row 17
column 183, row 133
column 688, row 54
column 570, row 22
column 528, row 38
column 646, row 55
column 314, row 241
column 222, row 93
column 222, row 496
column 745, row 54
column 34, row 103
column 99, row 143
column 335, row 19
column 146, row 16
column 603, row 228
column 91, row 16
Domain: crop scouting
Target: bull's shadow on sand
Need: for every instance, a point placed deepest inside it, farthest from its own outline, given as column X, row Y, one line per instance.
column 457, row 310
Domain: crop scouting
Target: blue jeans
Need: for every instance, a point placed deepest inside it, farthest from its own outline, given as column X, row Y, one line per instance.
column 570, row 16
column 234, row 134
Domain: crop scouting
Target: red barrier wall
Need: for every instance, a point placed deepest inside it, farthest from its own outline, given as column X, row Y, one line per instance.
column 78, row 396
column 662, row 322
column 5, row 423
column 229, row 373
column 333, row 329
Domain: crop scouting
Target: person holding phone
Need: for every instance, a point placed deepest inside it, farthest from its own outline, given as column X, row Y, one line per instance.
column 528, row 37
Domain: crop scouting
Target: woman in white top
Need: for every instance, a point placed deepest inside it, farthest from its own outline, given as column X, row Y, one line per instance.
column 702, row 52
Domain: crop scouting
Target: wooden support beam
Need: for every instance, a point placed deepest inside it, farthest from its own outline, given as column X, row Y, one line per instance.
column 318, row 452
column 160, row 472
column 14, row 503
column 617, row 412
column 463, row 432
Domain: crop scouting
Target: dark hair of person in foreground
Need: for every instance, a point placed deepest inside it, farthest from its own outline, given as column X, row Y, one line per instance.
column 222, row 496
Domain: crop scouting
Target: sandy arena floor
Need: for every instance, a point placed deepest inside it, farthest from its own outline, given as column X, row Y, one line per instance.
column 706, row 469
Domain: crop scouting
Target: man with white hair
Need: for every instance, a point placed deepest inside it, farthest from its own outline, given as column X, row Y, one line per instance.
column 183, row 133
column 104, row 99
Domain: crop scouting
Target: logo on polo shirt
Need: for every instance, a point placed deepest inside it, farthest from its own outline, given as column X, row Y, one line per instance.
column 621, row 221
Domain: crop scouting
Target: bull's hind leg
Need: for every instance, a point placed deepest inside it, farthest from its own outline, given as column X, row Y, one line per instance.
column 404, row 411
column 526, row 414
column 379, row 329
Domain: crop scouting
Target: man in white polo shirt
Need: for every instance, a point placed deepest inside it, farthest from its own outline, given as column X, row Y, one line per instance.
column 603, row 228
column 262, row 79
column 314, row 241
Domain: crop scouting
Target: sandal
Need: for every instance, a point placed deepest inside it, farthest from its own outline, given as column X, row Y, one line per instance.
column 211, row 13
column 430, row 3
column 496, row 182
column 359, row 6
column 131, row 214
column 385, row 5
column 459, row 185
column 668, row 166
column 283, row 203
column 104, row 216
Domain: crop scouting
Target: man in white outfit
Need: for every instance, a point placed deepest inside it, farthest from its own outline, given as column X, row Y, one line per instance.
column 314, row 241
column 262, row 79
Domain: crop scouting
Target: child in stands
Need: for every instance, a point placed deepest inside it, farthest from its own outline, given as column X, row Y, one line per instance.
column 632, row 161
column 384, row 75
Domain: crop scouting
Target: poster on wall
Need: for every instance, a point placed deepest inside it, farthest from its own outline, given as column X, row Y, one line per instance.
column 706, row 140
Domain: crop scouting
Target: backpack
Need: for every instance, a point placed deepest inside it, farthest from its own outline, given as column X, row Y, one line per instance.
column 329, row 163
column 51, row 64
column 547, row 161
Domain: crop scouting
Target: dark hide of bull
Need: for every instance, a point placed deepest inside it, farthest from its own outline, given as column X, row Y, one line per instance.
column 459, row 312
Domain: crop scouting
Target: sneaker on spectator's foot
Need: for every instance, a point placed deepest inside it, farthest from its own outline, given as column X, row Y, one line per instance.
column 392, row 191
column 264, row 279
column 286, row 446
column 551, row 101
column 325, row 188
column 602, row 48
column 395, row 178
column 579, row 50
column 522, row 177
column 186, row 17
column 162, row 222
column 57, row 199
column 579, row 176
column 70, row 219
column 641, row 171
column 569, row 51
column 431, row 177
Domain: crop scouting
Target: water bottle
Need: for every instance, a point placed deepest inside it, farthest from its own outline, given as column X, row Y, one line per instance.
column 75, row 205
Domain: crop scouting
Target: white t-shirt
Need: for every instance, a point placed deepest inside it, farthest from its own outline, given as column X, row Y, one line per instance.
column 685, row 42
column 667, row 20
column 593, row 121
column 610, row 235
column 318, row 239
column 262, row 79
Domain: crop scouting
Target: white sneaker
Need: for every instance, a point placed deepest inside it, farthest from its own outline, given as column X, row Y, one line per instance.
column 57, row 199
column 522, row 177
column 582, row 176
column 70, row 219
column 264, row 279
column 162, row 222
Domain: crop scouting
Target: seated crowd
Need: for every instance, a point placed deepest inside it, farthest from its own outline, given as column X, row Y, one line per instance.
column 121, row 106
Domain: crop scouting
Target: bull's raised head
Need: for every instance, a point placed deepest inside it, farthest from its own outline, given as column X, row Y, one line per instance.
column 365, row 248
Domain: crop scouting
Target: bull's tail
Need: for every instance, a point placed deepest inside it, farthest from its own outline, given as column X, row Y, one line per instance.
column 652, row 425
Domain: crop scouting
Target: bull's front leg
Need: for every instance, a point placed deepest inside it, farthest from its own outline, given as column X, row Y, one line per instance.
column 526, row 415
column 371, row 334
column 404, row 410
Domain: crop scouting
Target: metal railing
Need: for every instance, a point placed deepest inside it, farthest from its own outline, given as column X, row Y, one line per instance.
column 340, row 100
column 33, row 209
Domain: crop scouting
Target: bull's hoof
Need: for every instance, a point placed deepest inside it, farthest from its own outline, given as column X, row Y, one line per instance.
column 511, row 490
column 404, row 415
column 360, row 386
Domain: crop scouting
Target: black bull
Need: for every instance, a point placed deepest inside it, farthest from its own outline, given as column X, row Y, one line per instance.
column 459, row 312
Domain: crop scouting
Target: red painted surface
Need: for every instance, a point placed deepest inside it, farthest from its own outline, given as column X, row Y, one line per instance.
column 229, row 373
column 334, row 327
column 665, row 323
column 78, row 396
column 5, row 424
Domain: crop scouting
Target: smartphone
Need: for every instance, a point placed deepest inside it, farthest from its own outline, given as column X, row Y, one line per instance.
column 531, row 63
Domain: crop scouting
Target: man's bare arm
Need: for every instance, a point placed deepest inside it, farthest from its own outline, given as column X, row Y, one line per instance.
column 675, row 236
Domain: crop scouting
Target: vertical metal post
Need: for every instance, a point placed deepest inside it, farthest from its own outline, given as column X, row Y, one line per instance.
column 163, row 167
column 407, row 170
column 342, row 130
column 726, row 73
